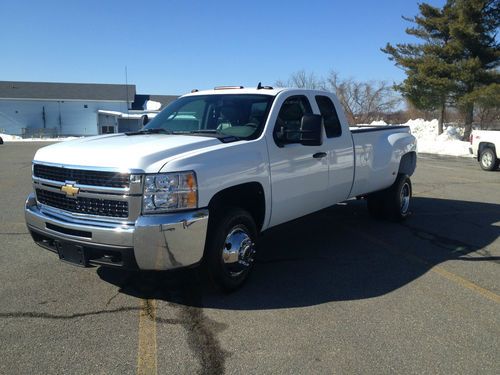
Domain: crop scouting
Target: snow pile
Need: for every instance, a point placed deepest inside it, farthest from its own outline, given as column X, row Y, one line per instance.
column 378, row 123
column 8, row 137
column 151, row 105
column 16, row 138
column 448, row 143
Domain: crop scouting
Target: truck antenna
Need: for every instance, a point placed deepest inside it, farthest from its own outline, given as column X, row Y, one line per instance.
column 260, row 87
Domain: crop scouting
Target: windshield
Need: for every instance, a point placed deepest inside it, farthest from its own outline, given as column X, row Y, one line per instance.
column 242, row 116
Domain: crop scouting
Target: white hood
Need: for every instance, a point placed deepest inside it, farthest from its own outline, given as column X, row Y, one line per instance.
column 146, row 152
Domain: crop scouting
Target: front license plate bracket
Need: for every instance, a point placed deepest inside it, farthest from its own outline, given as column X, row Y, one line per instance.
column 73, row 254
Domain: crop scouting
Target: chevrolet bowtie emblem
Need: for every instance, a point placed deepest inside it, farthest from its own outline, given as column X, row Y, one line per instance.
column 70, row 190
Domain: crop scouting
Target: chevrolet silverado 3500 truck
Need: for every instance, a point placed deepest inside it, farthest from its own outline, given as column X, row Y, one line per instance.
column 214, row 169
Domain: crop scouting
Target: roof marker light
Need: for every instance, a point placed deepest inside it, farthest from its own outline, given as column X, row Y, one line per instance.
column 228, row 87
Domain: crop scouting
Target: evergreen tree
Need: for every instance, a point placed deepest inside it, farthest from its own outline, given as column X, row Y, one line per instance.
column 428, row 66
column 476, row 55
column 456, row 60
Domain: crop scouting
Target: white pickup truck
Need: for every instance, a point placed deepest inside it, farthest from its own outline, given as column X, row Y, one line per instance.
column 485, row 146
column 215, row 168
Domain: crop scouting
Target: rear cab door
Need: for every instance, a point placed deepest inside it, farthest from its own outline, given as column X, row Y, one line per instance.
column 299, row 174
column 339, row 145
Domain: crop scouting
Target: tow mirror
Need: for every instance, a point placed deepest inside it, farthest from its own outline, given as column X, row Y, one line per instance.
column 310, row 130
column 309, row 133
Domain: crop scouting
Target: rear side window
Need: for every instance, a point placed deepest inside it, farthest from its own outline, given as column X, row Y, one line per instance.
column 330, row 117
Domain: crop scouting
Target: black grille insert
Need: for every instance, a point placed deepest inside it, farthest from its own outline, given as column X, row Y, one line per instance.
column 73, row 232
column 90, row 206
column 83, row 177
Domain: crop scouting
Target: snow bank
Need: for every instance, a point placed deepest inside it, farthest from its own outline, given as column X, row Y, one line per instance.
column 16, row 138
column 448, row 143
column 379, row 123
column 429, row 142
column 151, row 105
column 8, row 137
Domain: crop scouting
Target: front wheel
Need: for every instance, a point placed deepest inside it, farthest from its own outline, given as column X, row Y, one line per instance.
column 230, row 251
column 488, row 160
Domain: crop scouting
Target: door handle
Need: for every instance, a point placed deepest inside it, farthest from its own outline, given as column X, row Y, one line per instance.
column 319, row 155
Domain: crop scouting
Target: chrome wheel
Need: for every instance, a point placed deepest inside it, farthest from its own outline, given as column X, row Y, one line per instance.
column 405, row 198
column 238, row 252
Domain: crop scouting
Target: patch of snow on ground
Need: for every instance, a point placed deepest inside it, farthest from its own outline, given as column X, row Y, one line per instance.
column 16, row 138
column 428, row 140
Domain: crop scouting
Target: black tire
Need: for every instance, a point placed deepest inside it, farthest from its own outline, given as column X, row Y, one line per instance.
column 375, row 204
column 488, row 160
column 398, row 198
column 392, row 203
column 219, row 261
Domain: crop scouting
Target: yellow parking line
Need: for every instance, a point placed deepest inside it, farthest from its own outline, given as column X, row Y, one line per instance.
column 467, row 284
column 147, row 353
column 436, row 269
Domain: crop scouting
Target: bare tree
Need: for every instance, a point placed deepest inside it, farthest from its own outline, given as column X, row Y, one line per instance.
column 487, row 117
column 345, row 89
column 487, row 109
column 363, row 102
column 303, row 80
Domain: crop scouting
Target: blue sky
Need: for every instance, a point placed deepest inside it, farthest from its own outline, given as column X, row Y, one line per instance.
column 170, row 47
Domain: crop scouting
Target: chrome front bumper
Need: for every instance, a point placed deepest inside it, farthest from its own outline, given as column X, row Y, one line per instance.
column 158, row 242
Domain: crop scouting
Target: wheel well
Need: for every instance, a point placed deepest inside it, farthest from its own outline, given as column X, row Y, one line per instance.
column 248, row 196
column 408, row 163
column 482, row 146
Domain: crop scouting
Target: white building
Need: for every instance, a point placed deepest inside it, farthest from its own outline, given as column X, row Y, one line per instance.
column 51, row 109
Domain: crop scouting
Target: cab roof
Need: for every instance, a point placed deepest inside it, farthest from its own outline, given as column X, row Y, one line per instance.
column 230, row 90
column 235, row 90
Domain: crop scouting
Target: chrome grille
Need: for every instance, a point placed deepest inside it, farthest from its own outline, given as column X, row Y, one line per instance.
column 89, row 206
column 82, row 177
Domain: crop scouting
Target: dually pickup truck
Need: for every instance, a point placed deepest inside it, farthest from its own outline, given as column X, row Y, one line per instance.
column 215, row 168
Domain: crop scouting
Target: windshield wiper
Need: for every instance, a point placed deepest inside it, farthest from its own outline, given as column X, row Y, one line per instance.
column 201, row 131
column 150, row 131
column 224, row 138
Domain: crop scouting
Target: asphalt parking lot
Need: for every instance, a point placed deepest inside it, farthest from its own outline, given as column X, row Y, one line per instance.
column 335, row 292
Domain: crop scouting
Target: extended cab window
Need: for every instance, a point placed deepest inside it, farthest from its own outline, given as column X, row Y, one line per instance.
column 242, row 116
column 330, row 117
column 290, row 114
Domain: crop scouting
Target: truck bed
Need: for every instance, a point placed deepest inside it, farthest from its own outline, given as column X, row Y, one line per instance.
column 372, row 128
column 377, row 151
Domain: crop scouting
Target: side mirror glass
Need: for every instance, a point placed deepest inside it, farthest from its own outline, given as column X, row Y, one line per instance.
column 311, row 131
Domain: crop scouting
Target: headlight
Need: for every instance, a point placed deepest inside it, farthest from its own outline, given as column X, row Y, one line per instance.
column 170, row 192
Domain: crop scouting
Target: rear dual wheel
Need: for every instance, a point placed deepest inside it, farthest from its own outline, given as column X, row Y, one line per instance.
column 392, row 203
